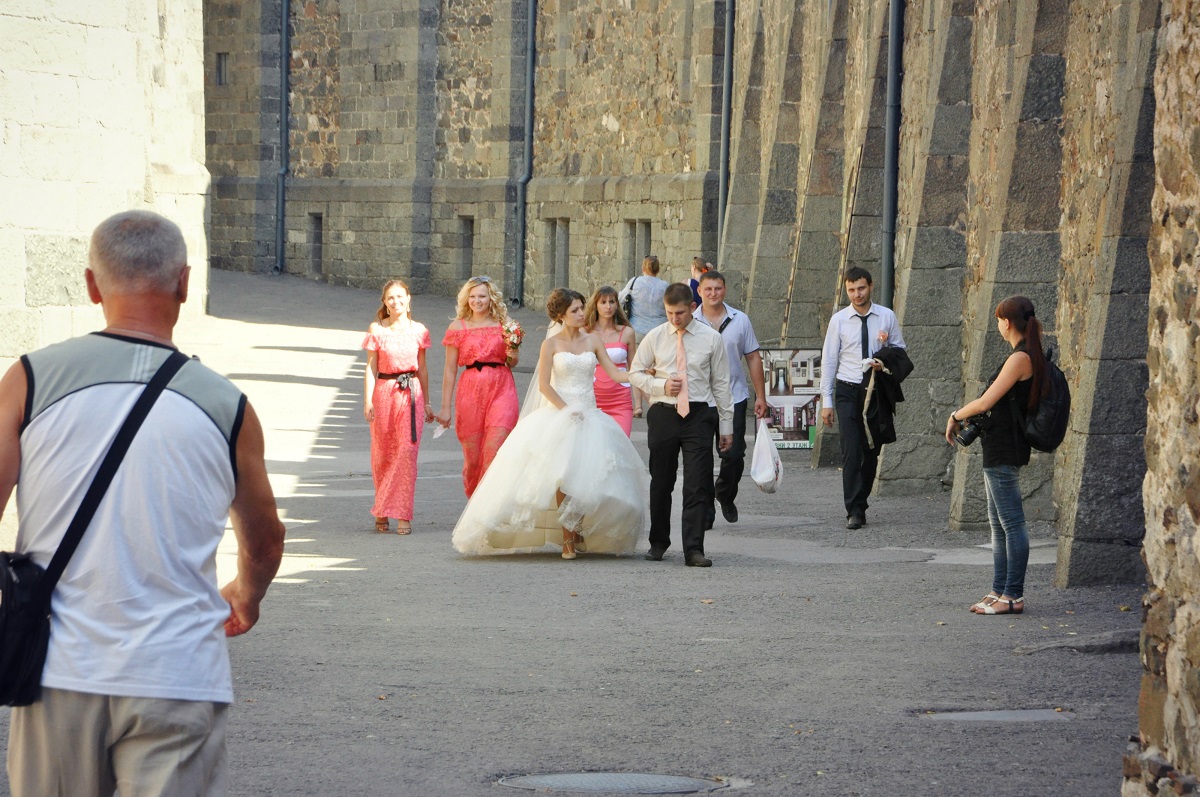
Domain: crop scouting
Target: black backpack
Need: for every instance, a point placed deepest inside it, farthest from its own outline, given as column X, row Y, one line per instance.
column 1046, row 426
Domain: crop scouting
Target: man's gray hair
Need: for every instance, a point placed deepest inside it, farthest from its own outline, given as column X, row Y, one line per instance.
column 137, row 251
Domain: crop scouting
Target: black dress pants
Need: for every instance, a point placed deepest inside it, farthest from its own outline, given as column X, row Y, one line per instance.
column 667, row 436
column 733, row 461
column 859, row 463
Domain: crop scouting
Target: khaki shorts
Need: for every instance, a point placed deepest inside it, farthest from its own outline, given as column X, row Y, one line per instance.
column 89, row 745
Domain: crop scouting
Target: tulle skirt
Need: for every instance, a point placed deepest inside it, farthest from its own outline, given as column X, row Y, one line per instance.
column 578, row 451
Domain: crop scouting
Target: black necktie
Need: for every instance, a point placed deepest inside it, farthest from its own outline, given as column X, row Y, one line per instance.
column 866, row 344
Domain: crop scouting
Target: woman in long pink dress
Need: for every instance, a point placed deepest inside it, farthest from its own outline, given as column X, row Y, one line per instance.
column 395, row 403
column 483, row 341
column 605, row 319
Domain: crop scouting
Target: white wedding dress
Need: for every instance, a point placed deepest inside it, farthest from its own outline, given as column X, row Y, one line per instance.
column 578, row 450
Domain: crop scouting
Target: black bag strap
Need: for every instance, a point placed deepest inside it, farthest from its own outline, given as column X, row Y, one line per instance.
column 104, row 476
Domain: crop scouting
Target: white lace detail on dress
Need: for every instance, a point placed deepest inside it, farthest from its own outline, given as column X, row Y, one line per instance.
column 572, row 378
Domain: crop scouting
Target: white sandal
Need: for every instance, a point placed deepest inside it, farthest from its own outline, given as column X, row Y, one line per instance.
column 987, row 601
column 1007, row 606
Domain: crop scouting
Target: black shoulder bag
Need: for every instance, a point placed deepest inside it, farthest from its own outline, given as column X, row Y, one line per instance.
column 25, row 587
column 627, row 305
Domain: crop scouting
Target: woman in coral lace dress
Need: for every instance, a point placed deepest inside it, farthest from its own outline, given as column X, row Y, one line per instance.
column 483, row 341
column 395, row 403
column 604, row 318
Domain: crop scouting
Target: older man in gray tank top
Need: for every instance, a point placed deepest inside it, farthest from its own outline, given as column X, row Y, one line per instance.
column 137, row 682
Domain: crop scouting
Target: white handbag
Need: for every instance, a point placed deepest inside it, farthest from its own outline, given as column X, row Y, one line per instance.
column 765, row 466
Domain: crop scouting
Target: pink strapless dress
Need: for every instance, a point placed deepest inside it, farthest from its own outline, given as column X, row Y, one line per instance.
column 614, row 398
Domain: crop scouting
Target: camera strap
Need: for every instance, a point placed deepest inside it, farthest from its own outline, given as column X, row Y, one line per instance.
column 104, row 476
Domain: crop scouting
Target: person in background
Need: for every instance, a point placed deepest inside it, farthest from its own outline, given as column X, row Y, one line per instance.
column 740, row 342
column 605, row 319
column 483, row 341
column 699, row 269
column 1015, row 388
column 395, row 395
column 855, row 333
column 646, row 312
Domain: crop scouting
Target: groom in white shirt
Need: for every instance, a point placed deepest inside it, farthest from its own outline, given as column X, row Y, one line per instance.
column 682, row 366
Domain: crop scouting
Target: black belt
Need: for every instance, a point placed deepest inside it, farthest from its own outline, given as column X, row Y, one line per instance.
column 850, row 384
column 404, row 382
column 481, row 365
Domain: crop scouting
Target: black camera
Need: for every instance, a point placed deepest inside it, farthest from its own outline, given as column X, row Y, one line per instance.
column 971, row 429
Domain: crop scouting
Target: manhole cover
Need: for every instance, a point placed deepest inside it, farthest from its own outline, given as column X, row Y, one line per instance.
column 1013, row 715
column 613, row 783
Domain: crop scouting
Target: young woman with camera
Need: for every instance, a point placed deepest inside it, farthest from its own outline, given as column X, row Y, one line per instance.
column 998, row 418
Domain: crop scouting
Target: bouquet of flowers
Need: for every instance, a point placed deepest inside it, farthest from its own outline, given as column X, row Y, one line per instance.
column 513, row 334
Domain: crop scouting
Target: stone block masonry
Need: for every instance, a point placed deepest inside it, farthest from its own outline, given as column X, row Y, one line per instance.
column 99, row 113
column 1108, row 177
column 995, row 178
column 407, row 131
column 1168, row 751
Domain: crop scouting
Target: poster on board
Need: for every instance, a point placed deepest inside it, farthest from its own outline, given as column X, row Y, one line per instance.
column 793, row 380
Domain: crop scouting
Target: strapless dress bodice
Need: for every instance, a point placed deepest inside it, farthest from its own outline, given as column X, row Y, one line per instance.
column 572, row 377
column 618, row 352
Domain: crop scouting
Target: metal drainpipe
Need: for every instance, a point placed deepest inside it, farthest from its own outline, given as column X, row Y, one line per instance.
column 726, row 115
column 285, row 47
column 517, row 295
column 891, row 152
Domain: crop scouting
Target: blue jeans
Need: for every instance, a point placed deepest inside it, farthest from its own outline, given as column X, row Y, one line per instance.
column 1010, row 536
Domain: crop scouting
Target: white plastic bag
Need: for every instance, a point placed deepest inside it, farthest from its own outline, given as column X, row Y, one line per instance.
column 765, row 466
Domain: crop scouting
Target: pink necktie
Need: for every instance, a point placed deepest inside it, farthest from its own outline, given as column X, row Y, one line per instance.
column 681, row 369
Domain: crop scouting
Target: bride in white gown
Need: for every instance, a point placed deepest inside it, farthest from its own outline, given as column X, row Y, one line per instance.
column 567, row 474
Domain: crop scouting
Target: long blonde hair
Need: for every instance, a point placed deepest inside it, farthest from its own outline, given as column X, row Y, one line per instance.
column 498, row 311
column 592, row 311
column 382, row 313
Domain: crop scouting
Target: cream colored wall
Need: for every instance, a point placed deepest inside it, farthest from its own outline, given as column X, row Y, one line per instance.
column 101, row 110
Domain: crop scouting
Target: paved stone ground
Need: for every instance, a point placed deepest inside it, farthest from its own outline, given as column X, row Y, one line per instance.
column 802, row 663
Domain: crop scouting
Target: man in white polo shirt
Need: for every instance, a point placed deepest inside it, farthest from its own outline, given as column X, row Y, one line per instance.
column 740, row 342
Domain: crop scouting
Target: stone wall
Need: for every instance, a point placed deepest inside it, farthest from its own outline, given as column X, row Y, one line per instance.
column 1169, row 751
column 241, row 105
column 377, row 130
column 931, row 249
column 628, row 102
column 1108, row 178
column 316, row 82
column 99, row 112
column 407, row 129
column 990, row 205
column 615, row 88
column 1012, row 224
